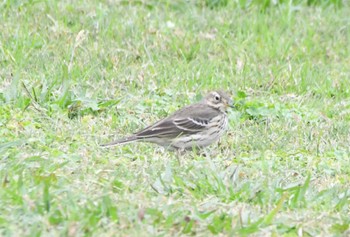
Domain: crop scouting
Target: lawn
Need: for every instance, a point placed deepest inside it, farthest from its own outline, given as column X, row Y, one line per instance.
column 75, row 74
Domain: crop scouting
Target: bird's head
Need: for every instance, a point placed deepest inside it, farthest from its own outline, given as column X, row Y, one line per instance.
column 219, row 100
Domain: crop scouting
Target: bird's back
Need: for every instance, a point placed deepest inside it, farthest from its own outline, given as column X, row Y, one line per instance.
column 186, row 128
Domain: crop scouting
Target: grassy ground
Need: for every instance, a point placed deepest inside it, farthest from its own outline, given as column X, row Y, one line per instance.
column 78, row 73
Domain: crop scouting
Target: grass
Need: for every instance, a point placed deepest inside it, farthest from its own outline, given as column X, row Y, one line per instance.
column 74, row 75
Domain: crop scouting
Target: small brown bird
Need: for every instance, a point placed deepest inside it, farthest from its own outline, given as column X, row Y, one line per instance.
column 196, row 125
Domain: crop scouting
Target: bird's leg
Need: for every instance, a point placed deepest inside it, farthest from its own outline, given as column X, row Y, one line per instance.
column 179, row 153
column 201, row 151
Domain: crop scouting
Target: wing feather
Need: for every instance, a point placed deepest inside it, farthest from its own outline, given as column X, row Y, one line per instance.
column 189, row 120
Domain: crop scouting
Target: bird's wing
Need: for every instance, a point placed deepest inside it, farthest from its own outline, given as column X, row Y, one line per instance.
column 191, row 124
column 189, row 120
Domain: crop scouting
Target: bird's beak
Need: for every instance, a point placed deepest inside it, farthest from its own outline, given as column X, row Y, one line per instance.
column 230, row 104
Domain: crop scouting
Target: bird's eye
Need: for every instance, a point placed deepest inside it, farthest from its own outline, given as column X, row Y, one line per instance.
column 217, row 98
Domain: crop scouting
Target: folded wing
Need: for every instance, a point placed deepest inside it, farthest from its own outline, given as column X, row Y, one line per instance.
column 187, row 121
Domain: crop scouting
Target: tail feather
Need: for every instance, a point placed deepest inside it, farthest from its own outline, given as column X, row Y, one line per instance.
column 121, row 141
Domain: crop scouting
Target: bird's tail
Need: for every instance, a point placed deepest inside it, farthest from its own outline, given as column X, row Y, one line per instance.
column 120, row 141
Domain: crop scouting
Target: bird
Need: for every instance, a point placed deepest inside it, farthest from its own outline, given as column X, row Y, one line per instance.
column 194, row 126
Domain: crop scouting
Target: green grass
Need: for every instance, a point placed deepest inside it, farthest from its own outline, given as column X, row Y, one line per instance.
column 74, row 74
